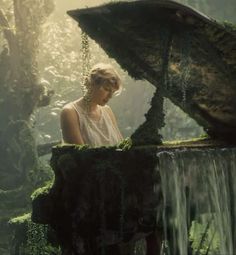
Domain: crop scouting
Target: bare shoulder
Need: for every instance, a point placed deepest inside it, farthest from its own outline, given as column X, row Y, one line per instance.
column 68, row 111
column 67, row 107
column 70, row 125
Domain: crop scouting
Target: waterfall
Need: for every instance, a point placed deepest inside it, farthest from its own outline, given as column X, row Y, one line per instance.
column 199, row 196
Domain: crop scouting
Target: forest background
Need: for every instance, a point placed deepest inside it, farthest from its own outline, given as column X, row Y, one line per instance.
column 41, row 69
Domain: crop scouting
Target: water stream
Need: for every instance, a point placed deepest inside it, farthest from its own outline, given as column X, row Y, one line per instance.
column 199, row 201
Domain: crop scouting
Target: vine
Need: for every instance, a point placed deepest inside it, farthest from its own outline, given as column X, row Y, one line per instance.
column 86, row 56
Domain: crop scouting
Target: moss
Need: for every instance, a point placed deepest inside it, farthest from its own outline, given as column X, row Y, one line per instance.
column 31, row 239
column 126, row 144
column 229, row 26
column 69, row 152
column 25, row 218
column 77, row 146
column 193, row 143
column 179, row 142
column 43, row 190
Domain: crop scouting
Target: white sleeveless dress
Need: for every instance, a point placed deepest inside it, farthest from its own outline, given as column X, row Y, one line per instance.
column 98, row 132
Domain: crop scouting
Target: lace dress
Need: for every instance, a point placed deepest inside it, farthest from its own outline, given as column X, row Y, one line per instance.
column 98, row 132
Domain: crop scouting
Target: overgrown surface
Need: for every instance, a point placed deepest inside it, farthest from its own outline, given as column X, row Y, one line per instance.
column 105, row 196
column 100, row 197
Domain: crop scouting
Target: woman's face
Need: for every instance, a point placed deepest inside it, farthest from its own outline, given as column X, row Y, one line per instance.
column 102, row 94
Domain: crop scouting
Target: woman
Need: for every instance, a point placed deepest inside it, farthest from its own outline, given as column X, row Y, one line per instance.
column 89, row 120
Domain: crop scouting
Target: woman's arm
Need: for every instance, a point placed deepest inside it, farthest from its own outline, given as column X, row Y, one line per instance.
column 70, row 126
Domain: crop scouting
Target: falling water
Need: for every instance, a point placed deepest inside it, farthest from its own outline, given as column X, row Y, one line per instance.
column 199, row 196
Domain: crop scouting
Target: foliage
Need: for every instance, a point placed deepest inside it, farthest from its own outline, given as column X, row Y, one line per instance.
column 230, row 26
column 20, row 90
column 42, row 190
column 20, row 219
column 20, row 94
column 125, row 144
column 37, row 242
column 178, row 125
column 204, row 237
column 31, row 238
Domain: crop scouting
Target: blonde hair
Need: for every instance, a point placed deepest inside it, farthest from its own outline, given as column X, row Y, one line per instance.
column 101, row 74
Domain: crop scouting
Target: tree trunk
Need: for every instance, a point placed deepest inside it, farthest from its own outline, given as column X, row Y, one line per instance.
column 20, row 94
